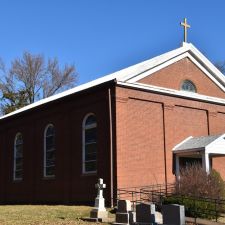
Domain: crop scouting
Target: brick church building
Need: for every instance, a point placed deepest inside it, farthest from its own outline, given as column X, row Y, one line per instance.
column 135, row 127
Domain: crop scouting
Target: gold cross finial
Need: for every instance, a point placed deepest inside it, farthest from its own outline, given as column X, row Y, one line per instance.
column 186, row 26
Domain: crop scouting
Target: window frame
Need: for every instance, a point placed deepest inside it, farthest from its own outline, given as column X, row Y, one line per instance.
column 44, row 161
column 84, row 128
column 191, row 82
column 15, row 158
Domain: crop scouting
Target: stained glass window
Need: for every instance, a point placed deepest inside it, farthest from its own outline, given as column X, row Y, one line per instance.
column 18, row 157
column 49, row 151
column 89, row 144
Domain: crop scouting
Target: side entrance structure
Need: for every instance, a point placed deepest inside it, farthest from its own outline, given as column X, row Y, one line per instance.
column 199, row 150
column 124, row 127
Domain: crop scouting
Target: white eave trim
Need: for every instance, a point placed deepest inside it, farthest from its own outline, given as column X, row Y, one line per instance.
column 167, row 91
column 139, row 69
column 176, row 59
column 207, row 63
column 69, row 92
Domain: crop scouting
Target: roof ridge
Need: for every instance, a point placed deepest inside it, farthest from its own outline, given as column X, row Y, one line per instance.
column 126, row 75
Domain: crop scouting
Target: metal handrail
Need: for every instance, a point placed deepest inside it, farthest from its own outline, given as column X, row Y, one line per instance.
column 158, row 194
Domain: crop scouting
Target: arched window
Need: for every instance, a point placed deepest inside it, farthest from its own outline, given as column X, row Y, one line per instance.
column 18, row 157
column 49, row 151
column 188, row 85
column 89, row 144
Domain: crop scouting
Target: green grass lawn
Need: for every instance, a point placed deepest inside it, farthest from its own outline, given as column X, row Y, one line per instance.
column 43, row 214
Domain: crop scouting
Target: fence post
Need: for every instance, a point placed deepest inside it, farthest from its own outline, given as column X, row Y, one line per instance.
column 216, row 208
column 161, row 200
column 140, row 197
column 195, row 213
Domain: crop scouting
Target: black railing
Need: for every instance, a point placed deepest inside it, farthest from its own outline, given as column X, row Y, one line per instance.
column 140, row 194
column 196, row 207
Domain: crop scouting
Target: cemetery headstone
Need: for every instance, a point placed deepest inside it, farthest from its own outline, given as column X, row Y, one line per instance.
column 124, row 214
column 145, row 213
column 173, row 214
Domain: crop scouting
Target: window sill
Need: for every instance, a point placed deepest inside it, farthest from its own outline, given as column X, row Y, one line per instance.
column 89, row 174
column 17, row 181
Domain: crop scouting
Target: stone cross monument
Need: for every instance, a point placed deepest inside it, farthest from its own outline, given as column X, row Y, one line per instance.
column 99, row 200
column 99, row 210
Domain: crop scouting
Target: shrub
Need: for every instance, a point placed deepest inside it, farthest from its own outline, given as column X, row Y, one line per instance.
column 194, row 207
column 199, row 192
column 194, row 181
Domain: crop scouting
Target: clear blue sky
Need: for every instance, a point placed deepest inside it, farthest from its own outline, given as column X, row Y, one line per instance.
column 103, row 36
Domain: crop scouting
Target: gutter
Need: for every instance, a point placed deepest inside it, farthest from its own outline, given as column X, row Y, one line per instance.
column 173, row 93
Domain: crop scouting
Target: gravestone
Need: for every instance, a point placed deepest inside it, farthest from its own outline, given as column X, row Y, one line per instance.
column 99, row 210
column 123, row 206
column 173, row 214
column 145, row 213
column 124, row 214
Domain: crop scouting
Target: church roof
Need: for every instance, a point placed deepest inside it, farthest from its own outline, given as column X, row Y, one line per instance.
column 212, row 144
column 196, row 142
column 130, row 76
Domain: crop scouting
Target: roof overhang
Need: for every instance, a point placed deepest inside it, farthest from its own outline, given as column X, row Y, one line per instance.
column 215, row 148
column 130, row 76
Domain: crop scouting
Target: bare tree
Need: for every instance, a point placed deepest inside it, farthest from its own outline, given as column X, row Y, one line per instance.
column 31, row 78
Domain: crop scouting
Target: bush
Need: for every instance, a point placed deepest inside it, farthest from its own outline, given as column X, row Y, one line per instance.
column 194, row 181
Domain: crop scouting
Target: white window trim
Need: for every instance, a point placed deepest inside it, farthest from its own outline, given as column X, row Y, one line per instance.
column 44, row 161
column 83, row 143
column 14, row 158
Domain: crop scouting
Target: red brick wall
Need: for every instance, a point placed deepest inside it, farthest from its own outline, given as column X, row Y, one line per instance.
column 182, row 122
column 173, row 75
column 141, row 134
column 150, row 124
column 217, row 122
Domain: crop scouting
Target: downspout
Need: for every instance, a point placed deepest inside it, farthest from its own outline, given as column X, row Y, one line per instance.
column 164, row 143
column 111, row 146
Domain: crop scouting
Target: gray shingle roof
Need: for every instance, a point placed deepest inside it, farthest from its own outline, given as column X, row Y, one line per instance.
column 197, row 142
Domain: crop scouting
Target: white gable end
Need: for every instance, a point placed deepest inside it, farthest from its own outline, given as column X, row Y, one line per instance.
column 187, row 51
